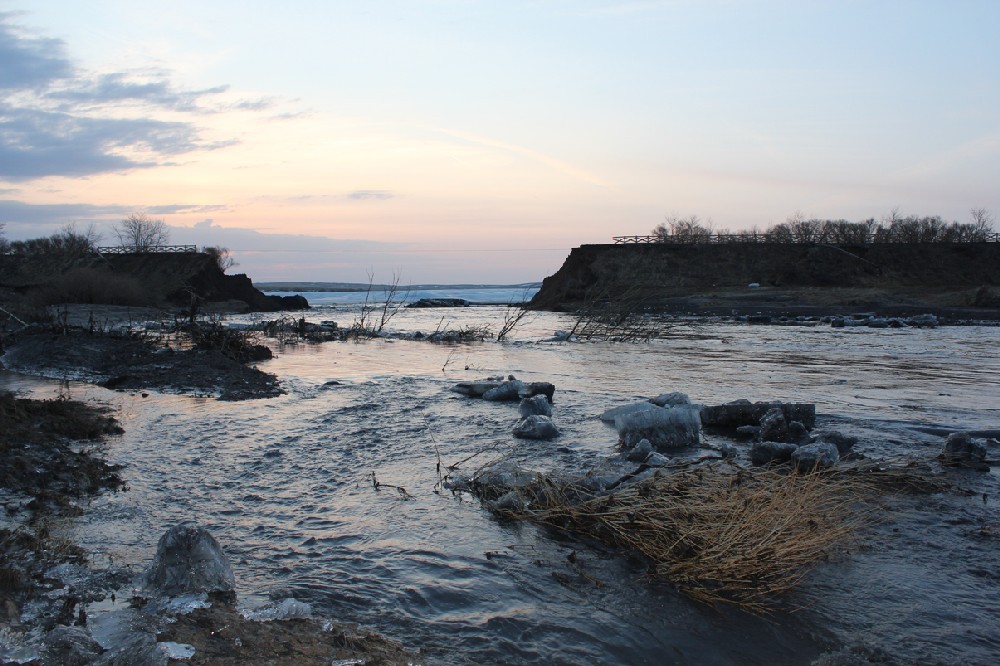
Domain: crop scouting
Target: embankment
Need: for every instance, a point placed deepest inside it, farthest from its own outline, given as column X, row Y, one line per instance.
column 152, row 279
column 961, row 279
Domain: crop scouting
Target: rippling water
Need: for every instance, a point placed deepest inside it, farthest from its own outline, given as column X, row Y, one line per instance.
column 283, row 484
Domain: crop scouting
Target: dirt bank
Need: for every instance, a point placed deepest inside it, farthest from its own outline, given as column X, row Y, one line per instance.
column 184, row 280
column 951, row 280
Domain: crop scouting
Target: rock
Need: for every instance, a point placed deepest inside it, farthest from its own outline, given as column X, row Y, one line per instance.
column 640, row 451
column 536, row 427
column 961, row 449
column 657, row 459
column 538, row 388
column 439, row 303
column 535, row 405
column 70, row 646
column 510, row 502
column 496, row 480
column 797, row 433
column 924, row 320
column 475, row 389
column 189, row 561
column 139, row 647
column 728, row 451
column 664, row 428
column 764, row 453
column 811, row 457
column 509, row 390
column 742, row 412
column 844, row 443
column 674, row 399
column 773, row 426
column 748, row 432
column 612, row 415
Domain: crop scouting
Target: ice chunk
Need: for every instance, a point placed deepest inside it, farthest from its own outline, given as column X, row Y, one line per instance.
column 176, row 650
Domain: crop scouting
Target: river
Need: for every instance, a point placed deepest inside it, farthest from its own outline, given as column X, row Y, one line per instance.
column 284, row 485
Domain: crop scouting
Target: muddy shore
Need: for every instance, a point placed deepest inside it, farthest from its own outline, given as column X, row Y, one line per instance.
column 118, row 348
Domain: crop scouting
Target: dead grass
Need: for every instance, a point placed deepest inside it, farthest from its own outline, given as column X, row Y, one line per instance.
column 721, row 534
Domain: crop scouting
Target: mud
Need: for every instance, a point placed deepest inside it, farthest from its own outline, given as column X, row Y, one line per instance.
column 124, row 361
column 221, row 635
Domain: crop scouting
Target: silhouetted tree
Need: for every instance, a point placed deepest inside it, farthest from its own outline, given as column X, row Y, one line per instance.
column 683, row 229
column 140, row 233
column 67, row 242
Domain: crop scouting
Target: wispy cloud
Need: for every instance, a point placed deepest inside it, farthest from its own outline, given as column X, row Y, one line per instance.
column 556, row 164
column 56, row 119
column 118, row 87
column 368, row 195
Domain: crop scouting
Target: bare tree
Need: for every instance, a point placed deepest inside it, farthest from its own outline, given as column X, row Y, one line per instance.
column 140, row 233
column 982, row 223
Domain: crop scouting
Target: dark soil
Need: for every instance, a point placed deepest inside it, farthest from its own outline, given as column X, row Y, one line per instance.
column 220, row 635
column 123, row 362
column 36, row 458
column 41, row 462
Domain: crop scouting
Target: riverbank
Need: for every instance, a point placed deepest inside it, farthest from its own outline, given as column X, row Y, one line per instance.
column 948, row 280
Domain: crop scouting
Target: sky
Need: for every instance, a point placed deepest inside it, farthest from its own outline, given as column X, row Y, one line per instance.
column 448, row 141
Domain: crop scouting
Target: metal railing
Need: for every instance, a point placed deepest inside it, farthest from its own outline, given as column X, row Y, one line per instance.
column 156, row 249
column 734, row 239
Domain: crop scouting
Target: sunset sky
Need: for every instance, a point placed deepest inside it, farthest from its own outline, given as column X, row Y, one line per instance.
column 479, row 140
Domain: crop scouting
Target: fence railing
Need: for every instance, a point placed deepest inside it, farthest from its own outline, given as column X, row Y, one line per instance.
column 718, row 239
column 157, row 249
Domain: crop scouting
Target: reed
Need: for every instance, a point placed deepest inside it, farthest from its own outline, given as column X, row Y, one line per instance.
column 721, row 534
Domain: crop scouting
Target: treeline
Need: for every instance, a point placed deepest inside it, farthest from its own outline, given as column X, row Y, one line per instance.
column 137, row 233
column 798, row 229
column 66, row 243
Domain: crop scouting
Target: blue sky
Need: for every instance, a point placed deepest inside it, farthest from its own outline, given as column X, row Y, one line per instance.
column 474, row 141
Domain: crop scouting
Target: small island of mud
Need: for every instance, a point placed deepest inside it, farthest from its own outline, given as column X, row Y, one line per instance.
column 199, row 358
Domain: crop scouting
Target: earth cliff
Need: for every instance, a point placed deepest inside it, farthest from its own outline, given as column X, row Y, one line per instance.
column 152, row 279
column 953, row 278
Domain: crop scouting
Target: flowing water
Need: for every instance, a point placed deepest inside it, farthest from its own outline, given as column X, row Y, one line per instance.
column 285, row 486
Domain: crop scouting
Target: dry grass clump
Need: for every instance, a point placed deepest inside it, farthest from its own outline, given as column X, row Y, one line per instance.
column 720, row 533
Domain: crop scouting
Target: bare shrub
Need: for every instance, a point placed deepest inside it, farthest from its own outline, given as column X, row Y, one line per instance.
column 223, row 259
column 376, row 313
column 513, row 316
